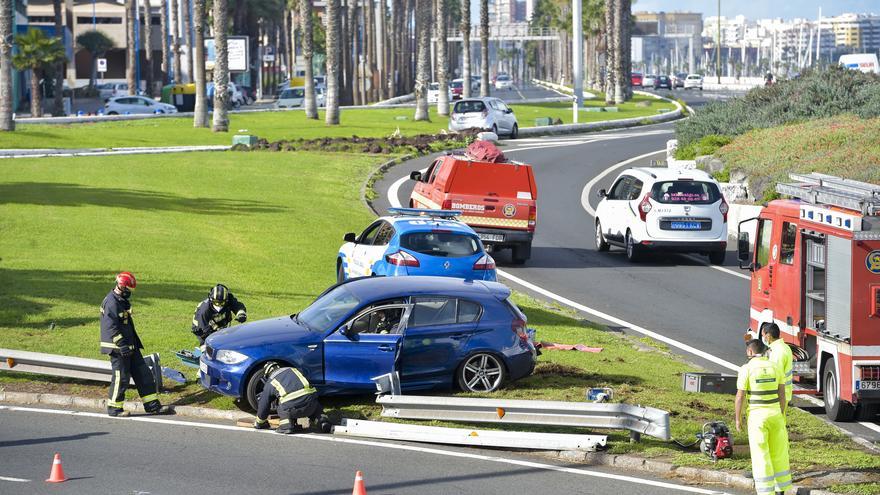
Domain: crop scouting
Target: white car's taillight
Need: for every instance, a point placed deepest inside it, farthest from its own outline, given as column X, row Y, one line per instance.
column 485, row 263
column 724, row 208
column 402, row 258
column 645, row 207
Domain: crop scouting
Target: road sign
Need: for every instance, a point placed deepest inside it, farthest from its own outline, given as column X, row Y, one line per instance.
column 268, row 57
column 237, row 52
column 102, row 65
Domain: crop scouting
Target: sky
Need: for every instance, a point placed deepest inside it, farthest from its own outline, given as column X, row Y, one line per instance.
column 755, row 9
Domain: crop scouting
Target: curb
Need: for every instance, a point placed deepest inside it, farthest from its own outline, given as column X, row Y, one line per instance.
column 45, row 153
column 381, row 169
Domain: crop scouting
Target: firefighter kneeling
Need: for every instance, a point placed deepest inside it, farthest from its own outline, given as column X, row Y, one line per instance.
column 296, row 399
column 764, row 384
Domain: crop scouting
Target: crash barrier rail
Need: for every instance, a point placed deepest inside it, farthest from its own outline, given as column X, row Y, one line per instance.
column 68, row 366
column 473, row 438
column 637, row 419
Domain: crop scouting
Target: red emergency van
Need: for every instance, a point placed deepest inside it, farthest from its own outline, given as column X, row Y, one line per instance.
column 498, row 200
column 816, row 276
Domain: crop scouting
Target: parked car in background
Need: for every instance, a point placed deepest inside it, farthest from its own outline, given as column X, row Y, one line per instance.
column 131, row 105
column 109, row 90
column 648, row 80
column 434, row 92
column 635, row 79
column 487, row 113
column 476, row 81
column 693, row 81
column 436, row 332
column 663, row 209
column 678, row 80
column 503, row 81
column 320, row 82
column 456, row 88
column 250, row 94
column 291, row 98
column 236, row 96
column 663, row 82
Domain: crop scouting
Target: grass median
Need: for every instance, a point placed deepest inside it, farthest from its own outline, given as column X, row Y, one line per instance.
column 268, row 225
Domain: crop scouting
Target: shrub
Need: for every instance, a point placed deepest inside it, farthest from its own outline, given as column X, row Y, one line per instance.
column 705, row 146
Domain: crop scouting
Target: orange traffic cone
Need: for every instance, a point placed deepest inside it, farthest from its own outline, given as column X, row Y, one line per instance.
column 359, row 488
column 57, row 474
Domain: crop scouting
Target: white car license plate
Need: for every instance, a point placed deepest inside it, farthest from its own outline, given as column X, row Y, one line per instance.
column 492, row 237
column 869, row 385
column 203, row 368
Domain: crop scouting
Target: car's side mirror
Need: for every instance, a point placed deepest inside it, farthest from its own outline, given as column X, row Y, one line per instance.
column 343, row 330
column 743, row 253
column 602, row 193
column 350, row 237
column 417, row 176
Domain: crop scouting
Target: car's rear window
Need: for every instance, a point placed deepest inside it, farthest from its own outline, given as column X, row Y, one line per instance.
column 435, row 86
column 293, row 93
column 503, row 78
column 685, row 192
column 469, row 107
column 442, row 244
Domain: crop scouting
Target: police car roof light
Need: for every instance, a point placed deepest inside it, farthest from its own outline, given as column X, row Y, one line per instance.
column 424, row 212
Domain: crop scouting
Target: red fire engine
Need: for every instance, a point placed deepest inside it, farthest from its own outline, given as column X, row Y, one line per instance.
column 816, row 275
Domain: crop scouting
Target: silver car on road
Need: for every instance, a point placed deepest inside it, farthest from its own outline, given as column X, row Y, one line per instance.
column 486, row 113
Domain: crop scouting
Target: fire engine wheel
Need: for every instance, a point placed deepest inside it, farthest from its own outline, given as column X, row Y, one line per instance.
column 835, row 408
column 633, row 250
column 601, row 243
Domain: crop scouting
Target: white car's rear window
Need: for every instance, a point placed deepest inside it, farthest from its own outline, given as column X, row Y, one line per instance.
column 685, row 192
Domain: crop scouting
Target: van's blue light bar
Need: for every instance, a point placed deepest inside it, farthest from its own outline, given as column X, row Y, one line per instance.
column 424, row 212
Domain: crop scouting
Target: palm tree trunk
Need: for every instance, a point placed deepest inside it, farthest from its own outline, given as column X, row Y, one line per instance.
column 484, row 47
column 187, row 29
column 148, row 47
column 423, row 56
column 331, row 44
column 308, row 47
column 163, row 28
column 626, row 36
column 610, row 51
column 36, row 96
column 370, row 52
column 619, row 45
column 6, row 33
column 132, row 49
column 442, row 64
column 200, row 112
column 288, row 42
column 58, row 92
column 466, row 47
column 221, row 68
column 409, row 48
column 175, row 41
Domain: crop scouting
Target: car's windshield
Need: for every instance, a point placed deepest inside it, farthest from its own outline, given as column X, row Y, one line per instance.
column 442, row 244
column 293, row 93
column 685, row 192
column 328, row 309
column 503, row 78
column 455, row 84
column 469, row 107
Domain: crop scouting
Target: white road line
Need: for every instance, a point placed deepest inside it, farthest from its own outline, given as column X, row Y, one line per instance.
column 720, row 268
column 585, row 194
column 14, row 480
column 870, row 426
column 368, row 443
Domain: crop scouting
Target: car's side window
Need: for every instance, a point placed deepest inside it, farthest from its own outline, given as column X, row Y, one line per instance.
column 433, row 311
column 765, row 230
column 384, row 320
column 468, row 311
column 369, row 235
column 635, row 189
column 789, row 238
column 619, row 190
column 386, row 232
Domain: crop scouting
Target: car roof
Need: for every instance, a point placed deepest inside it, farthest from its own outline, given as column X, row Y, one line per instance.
column 484, row 99
column 408, row 223
column 657, row 174
column 378, row 288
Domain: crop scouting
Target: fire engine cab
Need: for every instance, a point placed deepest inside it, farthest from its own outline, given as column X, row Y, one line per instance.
column 816, row 276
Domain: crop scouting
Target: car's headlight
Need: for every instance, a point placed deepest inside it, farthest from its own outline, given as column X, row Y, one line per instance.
column 230, row 357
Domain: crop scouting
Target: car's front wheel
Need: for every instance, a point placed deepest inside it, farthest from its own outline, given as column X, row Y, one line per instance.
column 254, row 388
column 481, row 372
column 515, row 132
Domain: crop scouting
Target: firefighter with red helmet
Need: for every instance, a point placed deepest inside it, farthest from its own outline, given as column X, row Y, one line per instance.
column 217, row 312
column 120, row 340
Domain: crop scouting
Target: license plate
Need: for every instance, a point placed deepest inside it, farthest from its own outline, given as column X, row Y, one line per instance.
column 492, row 237
column 684, row 225
column 870, row 385
column 203, row 368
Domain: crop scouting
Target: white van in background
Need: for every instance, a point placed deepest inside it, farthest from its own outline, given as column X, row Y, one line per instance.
column 865, row 62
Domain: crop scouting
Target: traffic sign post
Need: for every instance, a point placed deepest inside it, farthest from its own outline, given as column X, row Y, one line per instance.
column 102, row 67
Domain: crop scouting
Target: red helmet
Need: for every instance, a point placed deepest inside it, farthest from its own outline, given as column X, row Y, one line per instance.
column 126, row 279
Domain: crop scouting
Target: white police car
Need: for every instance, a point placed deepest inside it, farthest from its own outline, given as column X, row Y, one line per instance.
column 415, row 242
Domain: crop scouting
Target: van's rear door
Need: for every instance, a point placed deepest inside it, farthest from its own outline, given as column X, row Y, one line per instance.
column 494, row 195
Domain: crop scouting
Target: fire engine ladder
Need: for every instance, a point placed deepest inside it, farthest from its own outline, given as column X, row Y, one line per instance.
column 822, row 189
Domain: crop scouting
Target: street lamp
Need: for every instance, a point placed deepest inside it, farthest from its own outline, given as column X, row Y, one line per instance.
column 577, row 54
column 718, row 46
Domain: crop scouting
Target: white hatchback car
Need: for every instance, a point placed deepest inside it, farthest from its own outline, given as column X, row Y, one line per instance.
column 648, row 80
column 503, row 81
column 489, row 114
column 130, row 105
column 665, row 210
column 693, row 81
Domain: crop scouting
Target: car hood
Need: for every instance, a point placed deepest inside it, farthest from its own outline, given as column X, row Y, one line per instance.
column 263, row 332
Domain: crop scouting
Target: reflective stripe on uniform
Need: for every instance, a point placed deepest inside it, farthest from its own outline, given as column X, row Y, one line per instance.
column 115, row 394
column 150, row 398
column 764, row 479
column 764, row 401
column 109, row 345
column 117, row 338
column 282, row 393
column 262, row 421
column 495, row 222
column 117, row 405
column 284, row 422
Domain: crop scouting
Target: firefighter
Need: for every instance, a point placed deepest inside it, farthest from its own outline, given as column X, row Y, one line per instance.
column 120, row 340
column 764, row 384
column 780, row 354
column 216, row 312
column 296, row 399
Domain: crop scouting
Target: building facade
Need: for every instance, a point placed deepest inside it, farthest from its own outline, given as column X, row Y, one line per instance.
column 666, row 42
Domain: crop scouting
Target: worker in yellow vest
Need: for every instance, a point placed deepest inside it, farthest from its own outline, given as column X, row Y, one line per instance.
column 763, row 383
column 780, row 354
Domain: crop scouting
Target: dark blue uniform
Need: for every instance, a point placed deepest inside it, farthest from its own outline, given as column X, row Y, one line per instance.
column 208, row 320
column 296, row 398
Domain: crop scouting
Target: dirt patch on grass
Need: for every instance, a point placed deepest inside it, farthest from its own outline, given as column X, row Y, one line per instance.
column 422, row 143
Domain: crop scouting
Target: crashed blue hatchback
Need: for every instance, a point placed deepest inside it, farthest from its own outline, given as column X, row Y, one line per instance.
column 435, row 331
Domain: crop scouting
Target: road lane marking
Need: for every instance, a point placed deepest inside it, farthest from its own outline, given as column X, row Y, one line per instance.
column 369, row 443
column 720, row 268
column 14, row 480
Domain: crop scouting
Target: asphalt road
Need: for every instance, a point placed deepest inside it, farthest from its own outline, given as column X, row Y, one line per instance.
column 703, row 309
column 172, row 456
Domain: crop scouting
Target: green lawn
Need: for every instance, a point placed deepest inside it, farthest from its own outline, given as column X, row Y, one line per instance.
column 639, row 106
column 273, row 126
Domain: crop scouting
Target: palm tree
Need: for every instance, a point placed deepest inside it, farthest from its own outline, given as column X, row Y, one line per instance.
column 97, row 44
column 187, row 29
column 626, row 49
column 610, row 51
column 7, row 123
column 305, row 19
column 200, row 111
column 423, row 61
column 132, row 49
column 221, row 67
column 148, row 46
column 174, row 22
column 620, row 45
column 163, row 28
column 58, row 90
column 466, row 48
column 484, row 47
column 442, row 65
column 37, row 53
column 332, row 49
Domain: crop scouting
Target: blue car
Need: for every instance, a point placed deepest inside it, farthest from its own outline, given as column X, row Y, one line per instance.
column 435, row 331
column 415, row 242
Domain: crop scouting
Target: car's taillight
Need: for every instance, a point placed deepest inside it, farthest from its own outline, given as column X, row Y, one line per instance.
column 533, row 217
column 645, row 207
column 724, row 208
column 519, row 328
column 485, row 263
column 447, row 204
column 402, row 258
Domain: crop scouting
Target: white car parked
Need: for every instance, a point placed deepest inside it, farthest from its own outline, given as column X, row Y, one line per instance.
column 487, row 113
column 291, row 98
column 665, row 210
column 434, row 93
column 648, row 80
column 503, row 81
column 130, row 105
column 693, row 81
column 109, row 90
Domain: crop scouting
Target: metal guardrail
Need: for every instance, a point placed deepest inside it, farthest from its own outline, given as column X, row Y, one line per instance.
column 638, row 420
column 67, row 366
